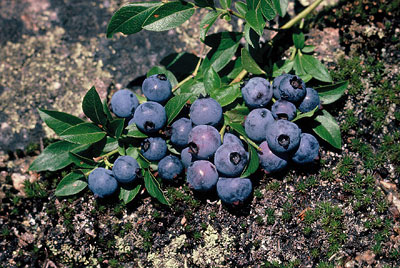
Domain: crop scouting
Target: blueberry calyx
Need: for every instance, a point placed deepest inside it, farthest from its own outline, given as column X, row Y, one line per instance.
column 284, row 141
column 235, row 158
column 282, row 116
column 259, row 95
column 149, row 126
column 162, row 77
column 263, row 114
column 193, row 148
column 296, row 83
column 145, row 145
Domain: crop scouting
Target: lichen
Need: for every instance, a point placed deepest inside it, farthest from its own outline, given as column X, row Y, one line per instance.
column 169, row 257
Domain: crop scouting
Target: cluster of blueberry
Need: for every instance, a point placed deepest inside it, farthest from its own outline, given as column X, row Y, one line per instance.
column 211, row 163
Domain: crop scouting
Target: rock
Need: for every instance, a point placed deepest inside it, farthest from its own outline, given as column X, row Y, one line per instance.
column 367, row 256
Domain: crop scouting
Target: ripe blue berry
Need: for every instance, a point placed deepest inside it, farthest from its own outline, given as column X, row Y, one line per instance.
column 308, row 149
column 257, row 122
column 169, row 167
column 157, row 88
column 283, row 136
column 292, row 89
column 202, row 175
column 234, row 190
column 180, row 132
column 257, row 92
column 206, row 111
column 154, row 148
column 269, row 161
column 123, row 103
column 231, row 138
column 150, row 117
column 186, row 157
column 275, row 85
column 126, row 169
column 283, row 109
column 230, row 159
column 310, row 101
column 204, row 140
column 102, row 182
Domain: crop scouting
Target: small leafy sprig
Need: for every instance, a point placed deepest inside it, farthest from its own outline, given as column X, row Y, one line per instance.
column 85, row 146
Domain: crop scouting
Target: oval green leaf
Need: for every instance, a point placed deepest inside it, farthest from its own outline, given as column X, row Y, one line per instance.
column 212, row 81
column 253, row 163
column 315, row 68
column 175, row 105
column 249, row 64
column 127, row 195
column 169, row 16
column 134, row 132
column 206, row 23
column 153, row 187
column 331, row 93
column 93, row 107
column 71, row 184
column 81, row 161
column 130, row 18
column 241, row 8
column 58, row 121
column 83, row 133
column 226, row 95
column 298, row 40
column 328, row 129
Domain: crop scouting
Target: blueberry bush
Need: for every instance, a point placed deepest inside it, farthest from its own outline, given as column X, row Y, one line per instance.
column 240, row 108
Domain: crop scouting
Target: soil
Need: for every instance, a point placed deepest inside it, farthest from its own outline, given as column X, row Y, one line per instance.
column 342, row 212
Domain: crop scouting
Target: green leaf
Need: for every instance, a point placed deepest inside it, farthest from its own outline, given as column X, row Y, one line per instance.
column 331, row 93
column 162, row 70
column 206, row 23
column 252, row 38
column 328, row 129
column 107, row 111
column 282, row 67
column 175, row 105
column 81, row 161
column 308, row 49
column 267, row 9
column 141, row 98
column 236, row 69
column 130, row 18
column 204, row 3
column 134, row 132
column 172, row 149
column 236, row 115
column 249, row 64
column 224, row 46
column 153, row 187
column 315, row 68
column 298, row 40
column 241, row 8
column 168, row 16
column 227, row 94
column 252, row 4
column 304, row 115
column 58, row 121
column 305, row 77
column 256, row 20
column 56, row 156
column 238, row 128
column 298, row 65
column 133, row 152
column 116, row 127
column 253, row 164
column 212, row 81
column 111, row 144
column 127, row 195
column 225, row 4
column 93, row 108
column 193, row 87
column 83, row 133
column 281, row 6
column 71, row 184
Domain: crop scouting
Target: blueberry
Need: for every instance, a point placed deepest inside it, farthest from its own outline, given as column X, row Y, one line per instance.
column 102, row 182
column 186, row 157
column 204, row 140
column 257, row 92
column 230, row 159
column 292, row 89
column 231, row 138
column 283, row 109
column 234, row 190
column 310, row 101
column 123, row 103
column 125, row 169
column 157, row 88
column 257, row 122
column 202, row 175
column 269, row 161
column 180, row 132
column 308, row 149
column 150, row 117
column 170, row 167
column 206, row 111
column 154, row 148
column 283, row 136
column 275, row 85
